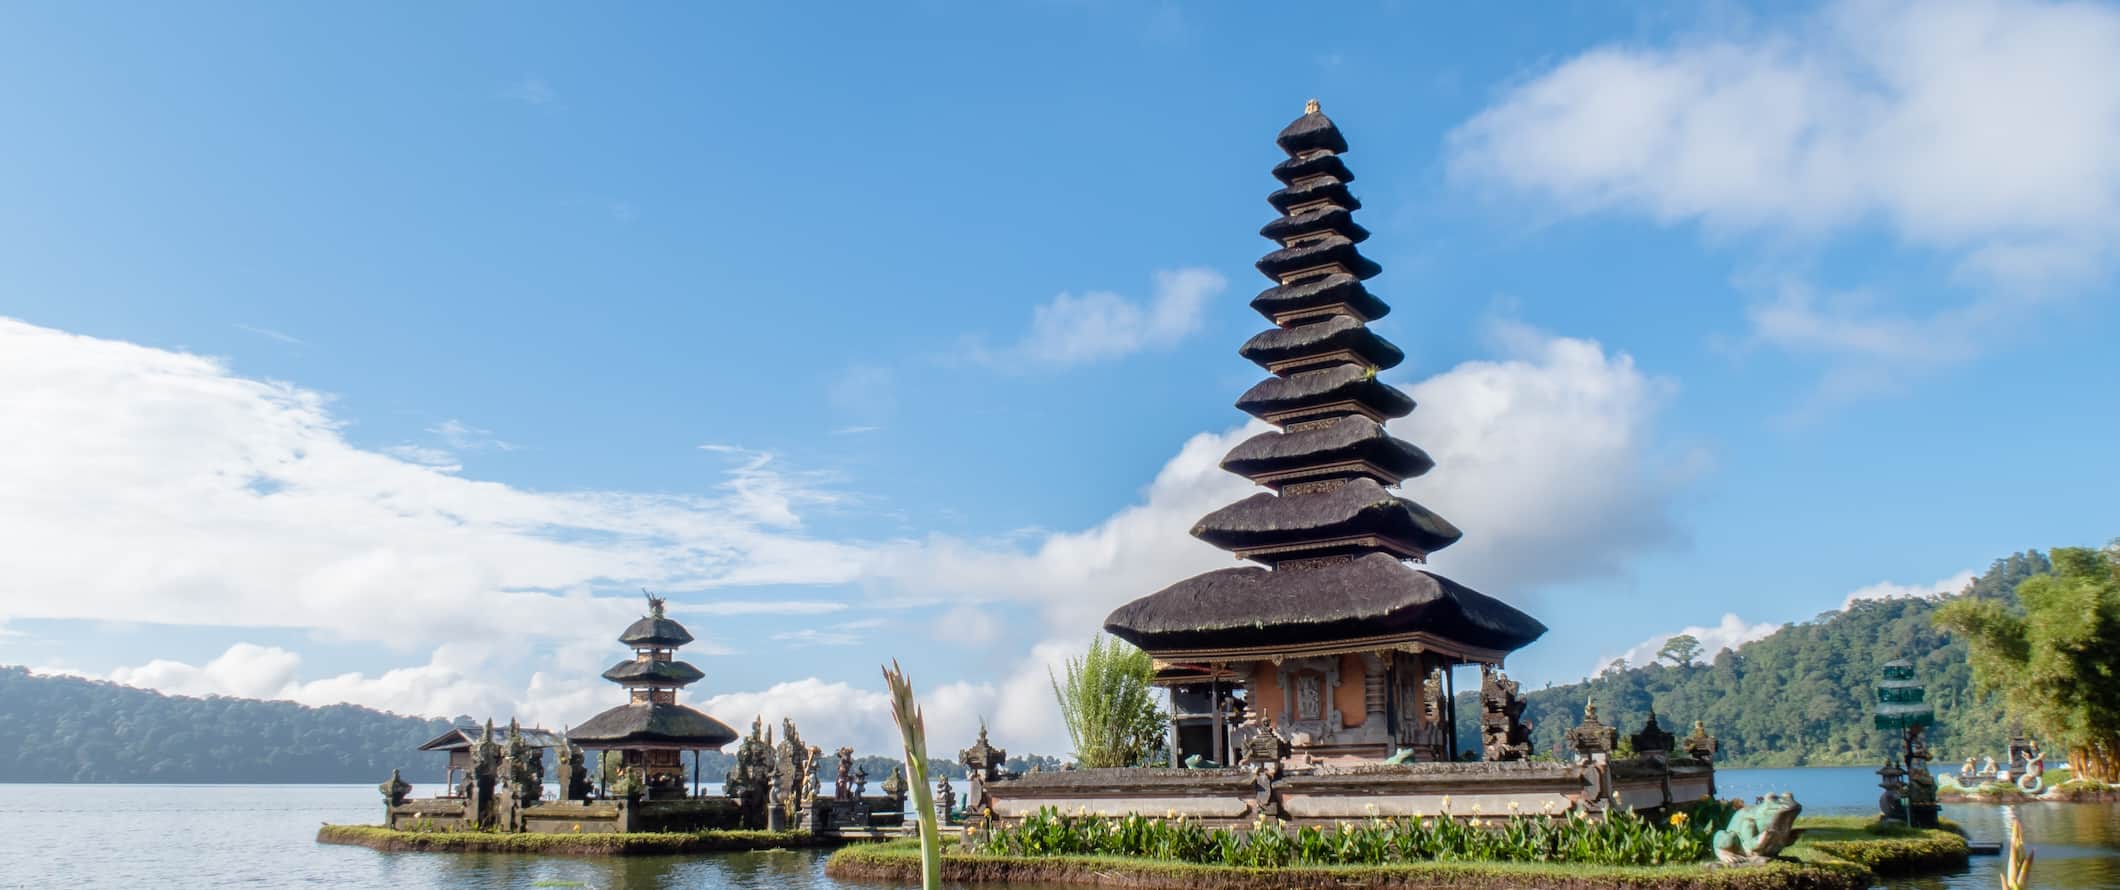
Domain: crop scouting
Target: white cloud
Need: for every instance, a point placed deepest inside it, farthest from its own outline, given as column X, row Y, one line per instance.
column 1733, row 631
column 1101, row 325
column 1018, row 709
column 271, row 334
column 433, row 458
column 161, row 487
column 465, row 437
column 845, row 633
column 1986, row 131
column 1730, row 633
column 1546, row 459
column 1887, row 590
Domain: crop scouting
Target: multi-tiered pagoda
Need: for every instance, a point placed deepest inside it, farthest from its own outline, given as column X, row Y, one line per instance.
column 652, row 731
column 1335, row 637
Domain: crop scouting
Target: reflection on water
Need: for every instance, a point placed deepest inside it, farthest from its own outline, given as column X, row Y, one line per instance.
column 141, row 836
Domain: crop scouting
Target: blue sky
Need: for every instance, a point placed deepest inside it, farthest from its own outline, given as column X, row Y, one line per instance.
column 382, row 354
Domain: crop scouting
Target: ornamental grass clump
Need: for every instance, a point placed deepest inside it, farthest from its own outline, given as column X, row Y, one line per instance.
column 1620, row 838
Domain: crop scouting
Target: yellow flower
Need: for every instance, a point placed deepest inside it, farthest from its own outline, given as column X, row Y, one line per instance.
column 1170, row 814
column 1678, row 819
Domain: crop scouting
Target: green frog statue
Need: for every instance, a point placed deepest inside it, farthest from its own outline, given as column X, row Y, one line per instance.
column 1759, row 831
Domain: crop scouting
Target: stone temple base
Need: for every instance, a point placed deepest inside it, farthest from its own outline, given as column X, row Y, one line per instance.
column 1326, row 793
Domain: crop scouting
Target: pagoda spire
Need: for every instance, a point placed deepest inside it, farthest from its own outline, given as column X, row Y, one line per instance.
column 1331, row 462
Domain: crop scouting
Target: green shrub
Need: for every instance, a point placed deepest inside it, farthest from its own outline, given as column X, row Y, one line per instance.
column 1621, row 838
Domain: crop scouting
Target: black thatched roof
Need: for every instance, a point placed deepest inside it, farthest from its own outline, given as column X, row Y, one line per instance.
column 652, row 723
column 460, row 738
column 1303, row 389
column 1311, row 132
column 1338, row 219
column 1373, row 595
column 1328, row 190
column 1290, row 170
column 1310, row 254
column 1333, row 334
column 1348, row 438
column 1359, row 507
column 1313, row 293
column 655, row 631
column 658, row 673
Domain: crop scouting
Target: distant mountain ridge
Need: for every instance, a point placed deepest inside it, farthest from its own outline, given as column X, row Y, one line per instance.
column 1801, row 696
column 67, row 729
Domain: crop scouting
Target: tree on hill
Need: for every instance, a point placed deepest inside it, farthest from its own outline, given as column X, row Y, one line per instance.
column 2054, row 655
column 1680, row 650
column 1802, row 695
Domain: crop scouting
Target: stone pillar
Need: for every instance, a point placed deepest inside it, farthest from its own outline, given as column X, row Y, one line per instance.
column 1375, row 724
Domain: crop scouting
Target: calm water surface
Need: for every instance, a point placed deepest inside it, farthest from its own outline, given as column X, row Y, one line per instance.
column 214, row 836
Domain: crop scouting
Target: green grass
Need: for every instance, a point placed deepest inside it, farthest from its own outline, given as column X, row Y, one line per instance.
column 634, row 844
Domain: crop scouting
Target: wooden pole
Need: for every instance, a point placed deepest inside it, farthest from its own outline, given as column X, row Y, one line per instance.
column 1214, row 703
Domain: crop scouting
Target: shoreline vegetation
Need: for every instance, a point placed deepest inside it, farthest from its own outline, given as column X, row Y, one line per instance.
column 1832, row 853
column 376, row 837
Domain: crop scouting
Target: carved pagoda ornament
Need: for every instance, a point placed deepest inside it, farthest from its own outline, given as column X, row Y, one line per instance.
column 1590, row 739
column 1700, row 745
column 982, row 758
column 1653, row 739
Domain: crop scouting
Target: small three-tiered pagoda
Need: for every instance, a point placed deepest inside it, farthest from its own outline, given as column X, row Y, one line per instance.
column 651, row 732
column 1335, row 637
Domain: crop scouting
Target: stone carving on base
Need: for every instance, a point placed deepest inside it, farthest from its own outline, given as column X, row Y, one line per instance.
column 1758, row 832
column 1892, row 803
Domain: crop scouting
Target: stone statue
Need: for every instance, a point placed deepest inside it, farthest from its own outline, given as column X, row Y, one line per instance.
column 524, row 768
column 894, row 788
column 790, row 764
column 861, row 781
column 394, row 791
column 484, row 775
column 1758, row 832
column 750, row 778
column 843, row 783
column 574, row 781
column 945, row 799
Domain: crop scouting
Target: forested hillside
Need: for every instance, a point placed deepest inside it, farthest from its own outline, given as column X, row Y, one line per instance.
column 65, row 729
column 1802, row 695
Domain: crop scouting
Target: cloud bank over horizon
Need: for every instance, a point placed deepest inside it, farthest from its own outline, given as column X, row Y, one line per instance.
column 185, row 493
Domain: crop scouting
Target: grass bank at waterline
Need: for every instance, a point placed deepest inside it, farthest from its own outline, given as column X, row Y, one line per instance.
column 1832, row 854
column 636, row 844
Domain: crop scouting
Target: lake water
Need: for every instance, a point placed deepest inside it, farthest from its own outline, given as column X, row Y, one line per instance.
column 218, row 836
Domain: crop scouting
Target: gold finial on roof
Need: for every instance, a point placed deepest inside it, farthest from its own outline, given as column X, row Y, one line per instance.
column 1310, row 107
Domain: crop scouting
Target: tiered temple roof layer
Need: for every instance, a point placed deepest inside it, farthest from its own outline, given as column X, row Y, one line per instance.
column 1333, row 532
